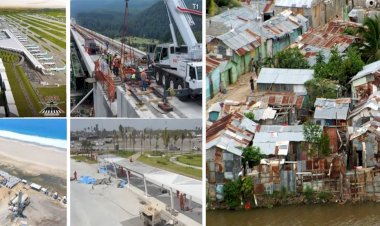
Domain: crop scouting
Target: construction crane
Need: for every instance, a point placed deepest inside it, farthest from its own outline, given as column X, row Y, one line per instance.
column 179, row 67
column 175, row 66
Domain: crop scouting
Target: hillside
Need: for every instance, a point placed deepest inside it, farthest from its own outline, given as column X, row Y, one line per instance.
column 149, row 22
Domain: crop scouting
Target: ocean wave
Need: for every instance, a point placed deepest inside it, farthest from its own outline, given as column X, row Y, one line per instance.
column 58, row 143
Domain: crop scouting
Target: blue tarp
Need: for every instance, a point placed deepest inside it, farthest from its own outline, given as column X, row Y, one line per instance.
column 87, row 180
column 103, row 170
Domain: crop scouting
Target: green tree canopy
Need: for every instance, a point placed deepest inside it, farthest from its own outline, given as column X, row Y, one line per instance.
column 370, row 33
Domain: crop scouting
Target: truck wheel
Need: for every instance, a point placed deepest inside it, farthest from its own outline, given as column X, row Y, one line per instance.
column 158, row 77
column 171, row 83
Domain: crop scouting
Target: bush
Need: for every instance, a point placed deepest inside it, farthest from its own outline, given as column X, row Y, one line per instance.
column 308, row 193
column 325, row 196
column 231, row 193
column 161, row 162
column 283, row 192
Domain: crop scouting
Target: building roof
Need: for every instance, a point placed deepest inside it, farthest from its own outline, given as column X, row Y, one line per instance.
column 13, row 44
column 332, row 108
column 324, row 39
column 268, row 136
column 250, row 34
column 295, row 3
column 368, row 69
column 372, row 103
column 278, row 99
column 212, row 64
column 264, row 113
column 284, row 76
column 234, row 129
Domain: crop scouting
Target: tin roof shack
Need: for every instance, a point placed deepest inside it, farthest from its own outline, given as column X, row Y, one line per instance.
column 366, row 81
column 331, row 112
column 366, row 143
column 250, row 40
column 215, row 69
column 225, row 139
column 288, row 106
column 324, row 39
column 332, row 115
column 364, row 132
column 283, row 142
column 359, row 14
column 318, row 12
column 284, row 80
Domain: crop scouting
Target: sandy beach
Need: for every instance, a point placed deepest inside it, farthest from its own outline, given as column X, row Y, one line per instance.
column 32, row 158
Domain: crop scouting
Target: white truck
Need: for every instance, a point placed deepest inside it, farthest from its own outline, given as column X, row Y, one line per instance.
column 179, row 67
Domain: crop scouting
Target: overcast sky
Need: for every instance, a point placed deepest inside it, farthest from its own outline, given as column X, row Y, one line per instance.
column 33, row 3
column 111, row 124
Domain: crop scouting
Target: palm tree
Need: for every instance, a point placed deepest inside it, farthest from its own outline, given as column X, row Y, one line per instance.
column 190, row 136
column 87, row 147
column 183, row 137
column 370, row 33
column 142, row 137
column 157, row 138
column 150, row 139
column 166, row 138
column 121, row 131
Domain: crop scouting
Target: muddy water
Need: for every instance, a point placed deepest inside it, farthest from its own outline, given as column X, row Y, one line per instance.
column 331, row 215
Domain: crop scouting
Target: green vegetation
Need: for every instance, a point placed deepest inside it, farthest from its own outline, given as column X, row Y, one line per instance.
column 86, row 159
column 9, row 60
column 30, row 37
column 325, row 196
column 308, row 193
column 54, row 40
column 252, row 155
column 60, row 92
column 371, row 39
column 231, row 192
column 247, row 188
column 288, row 58
column 164, row 163
column 214, row 5
column 193, row 160
column 42, row 26
column 317, row 141
column 29, row 89
column 250, row 115
column 41, row 23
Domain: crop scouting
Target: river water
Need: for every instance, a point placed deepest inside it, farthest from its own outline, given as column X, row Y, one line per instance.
column 318, row 215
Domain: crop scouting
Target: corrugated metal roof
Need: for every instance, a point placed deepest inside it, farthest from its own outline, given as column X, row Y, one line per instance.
column 278, row 99
column 295, row 3
column 368, row 69
column 264, row 113
column 269, row 135
column 284, row 76
column 332, row 108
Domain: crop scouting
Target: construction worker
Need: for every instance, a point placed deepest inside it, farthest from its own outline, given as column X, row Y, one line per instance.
column 181, row 202
column 143, row 80
column 116, row 66
column 75, row 175
column 251, row 81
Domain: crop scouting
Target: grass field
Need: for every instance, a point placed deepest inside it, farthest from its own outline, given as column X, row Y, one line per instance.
column 164, row 163
column 32, row 38
column 86, row 159
column 9, row 60
column 193, row 160
column 45, row 27
column 31, row 93
column 45, row 35
column 54, row 91
column 40, row 23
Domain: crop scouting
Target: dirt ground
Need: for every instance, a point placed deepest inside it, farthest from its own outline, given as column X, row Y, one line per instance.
column 42, row 210
column 237, row 91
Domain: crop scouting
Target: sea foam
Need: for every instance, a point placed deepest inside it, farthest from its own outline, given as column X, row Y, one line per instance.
column 45, row 141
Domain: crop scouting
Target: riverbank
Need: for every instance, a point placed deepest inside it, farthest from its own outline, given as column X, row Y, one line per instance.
column 331, row 214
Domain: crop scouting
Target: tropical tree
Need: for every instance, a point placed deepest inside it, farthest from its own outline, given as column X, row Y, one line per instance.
column 157, row 137
column 122, row 134
column 317, row 141
column 87, row 146
column 142, row 138
column 190, row 137
column 183, row 137
column 166, row 138
column 252, row 155
column 370, row 32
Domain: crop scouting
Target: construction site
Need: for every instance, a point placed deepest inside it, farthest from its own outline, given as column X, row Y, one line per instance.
column 34, row 64
column 134, row 185
column 27, row 203
column 111, row 78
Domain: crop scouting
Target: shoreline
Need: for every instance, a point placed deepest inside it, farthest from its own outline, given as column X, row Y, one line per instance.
column 32, row 158
column 60, row 144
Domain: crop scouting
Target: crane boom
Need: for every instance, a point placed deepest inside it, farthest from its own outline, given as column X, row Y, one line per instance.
column 182, row 22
